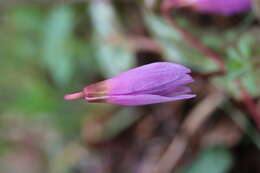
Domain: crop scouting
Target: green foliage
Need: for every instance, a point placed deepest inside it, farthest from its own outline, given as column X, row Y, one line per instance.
column 113, row 52
column 240, row 64
column 57, row 44
column 213, row 160
column 120, row 121
column 19, row 37
column 48, row 50
column 175, row 48
column 36, row 98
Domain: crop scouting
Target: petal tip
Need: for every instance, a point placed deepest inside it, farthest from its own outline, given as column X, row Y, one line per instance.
column 73, row 96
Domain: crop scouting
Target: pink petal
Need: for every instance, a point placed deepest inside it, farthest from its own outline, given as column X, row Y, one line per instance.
column 146, row 78
column 137, row 100
column 220, row 7
column 167, row 88
column 225, row 7
column 178, row 91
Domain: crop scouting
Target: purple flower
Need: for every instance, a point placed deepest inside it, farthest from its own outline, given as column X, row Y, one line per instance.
column 221, row 7
column 148, row 84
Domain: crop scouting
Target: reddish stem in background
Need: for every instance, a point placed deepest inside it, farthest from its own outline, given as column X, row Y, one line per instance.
column 166, row 7
column 250, row 104
column 246, row 97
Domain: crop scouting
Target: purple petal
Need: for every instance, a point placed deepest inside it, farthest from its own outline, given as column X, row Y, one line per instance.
column 138, row 100
column 221, row 7
column 148, row 84
column 225, row 7
column 177, row 91
column 146, row 78
column 171, row 87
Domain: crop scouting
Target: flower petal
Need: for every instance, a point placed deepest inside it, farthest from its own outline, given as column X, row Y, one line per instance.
column 137, row 100
column 220, row 7
column 177, row 91
column 148, row 84
column 171, row 87
column 145, row 78
column 225, row 7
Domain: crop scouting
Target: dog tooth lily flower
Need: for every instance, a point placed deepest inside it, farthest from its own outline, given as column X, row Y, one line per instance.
column 222, row 7
column 148, row 84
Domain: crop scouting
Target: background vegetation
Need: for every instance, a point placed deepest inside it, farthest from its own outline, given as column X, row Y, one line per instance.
column 48, row 49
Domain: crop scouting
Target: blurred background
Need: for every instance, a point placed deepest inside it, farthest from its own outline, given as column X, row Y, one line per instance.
column 48, row 49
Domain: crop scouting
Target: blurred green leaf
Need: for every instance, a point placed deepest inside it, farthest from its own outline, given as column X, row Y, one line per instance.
column 243, row 122
column 25, row 18
column 245, row 45
column 239, row 65
column 175, row 48
column 112, row 50
column 57, row 51
column 36, row 98
column 120, row 121
column 19, row 35
column 213, row 160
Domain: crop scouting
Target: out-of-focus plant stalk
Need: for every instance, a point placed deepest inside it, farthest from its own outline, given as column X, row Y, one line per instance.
column 166, row 12
column 247, row 99
column 249, row 103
